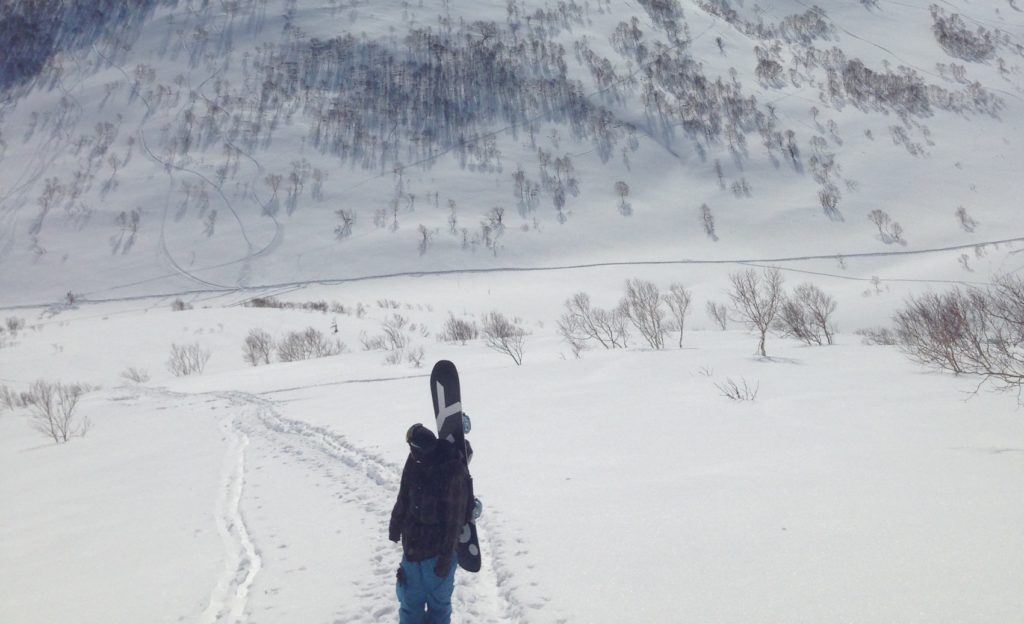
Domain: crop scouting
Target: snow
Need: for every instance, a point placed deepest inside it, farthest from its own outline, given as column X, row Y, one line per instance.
column 856, row 487
column 621, row 486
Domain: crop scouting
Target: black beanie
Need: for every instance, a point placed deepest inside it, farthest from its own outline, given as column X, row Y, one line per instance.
column 421, row 440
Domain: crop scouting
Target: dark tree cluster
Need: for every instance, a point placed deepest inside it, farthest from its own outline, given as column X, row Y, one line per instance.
column 602, row 71
column 33, row 31
column 676, row 92
column 563, row 16
column 380, row 103
column 902, row 91
column 801, row 28
column 957, row 40
column 667, row 15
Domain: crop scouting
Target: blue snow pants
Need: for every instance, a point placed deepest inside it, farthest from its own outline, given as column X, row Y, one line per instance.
column 425, row 597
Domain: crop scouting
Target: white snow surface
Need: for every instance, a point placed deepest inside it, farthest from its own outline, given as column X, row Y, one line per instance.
column 620, row 486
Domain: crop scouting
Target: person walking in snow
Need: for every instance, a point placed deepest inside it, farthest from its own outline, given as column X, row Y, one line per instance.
column 427, row 518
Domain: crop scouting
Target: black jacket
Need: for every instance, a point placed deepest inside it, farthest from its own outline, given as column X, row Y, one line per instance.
column 432, row 504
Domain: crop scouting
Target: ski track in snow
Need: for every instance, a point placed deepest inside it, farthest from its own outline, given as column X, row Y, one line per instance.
column 242, row 561
column 168, row 167
column 367, row 480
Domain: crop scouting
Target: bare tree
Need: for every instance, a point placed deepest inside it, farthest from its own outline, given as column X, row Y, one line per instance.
column 504, row 336
column 53, row 409
column 889, row 231
column 880, row 218
column 718, row 313
column 756, row 299
column 347, row 219
column 678, row 300
column 708, row 221
column 820, row 307
column 828, row 196
column 424, row 242
column 965, row 221
column 582, row 323
column 642, row 306
column 622, row 190
column 258, row 347
column 187, row 359
column 807, row 315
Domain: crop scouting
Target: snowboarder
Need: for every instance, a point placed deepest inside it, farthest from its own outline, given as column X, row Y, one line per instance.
column 427, row 518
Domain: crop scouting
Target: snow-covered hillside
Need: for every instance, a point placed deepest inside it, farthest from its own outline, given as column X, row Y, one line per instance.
column 154, row 147
column 360, row 178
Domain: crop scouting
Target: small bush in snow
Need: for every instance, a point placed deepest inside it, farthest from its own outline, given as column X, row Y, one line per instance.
column 307, row 345
column 187, row 359
column 877, row 336
column 272, row 302
column 504, row 335
column 53, row 407
column 263, row 302
column 258, row 347
column 14, row 324
column 179, row 306
column 889, row 231
column 459, row 330
column 372, row 343
column 974, row 331
column 966, row 222
column 738, row 391
column 415, row 356
column 395, row 336
column 135, row 375
column 11, row 399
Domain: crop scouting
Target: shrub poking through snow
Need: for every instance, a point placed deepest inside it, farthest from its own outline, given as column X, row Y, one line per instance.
column 53, row 406
column 258, row 347
column 306, row 345
column 581, row 324
column 742, row 391
column 977, row 331
column 187, row 359
column 135, row 375
column 459, row 330
column 504, row 335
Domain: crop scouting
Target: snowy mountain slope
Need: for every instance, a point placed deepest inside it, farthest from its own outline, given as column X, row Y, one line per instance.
column 188, row 146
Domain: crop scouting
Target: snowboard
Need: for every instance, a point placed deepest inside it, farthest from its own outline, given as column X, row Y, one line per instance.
column 452, row 425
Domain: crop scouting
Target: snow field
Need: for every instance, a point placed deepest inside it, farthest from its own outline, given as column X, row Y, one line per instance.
column 619, row 487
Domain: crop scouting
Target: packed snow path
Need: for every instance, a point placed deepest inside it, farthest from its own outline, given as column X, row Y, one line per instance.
column 303, row 516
